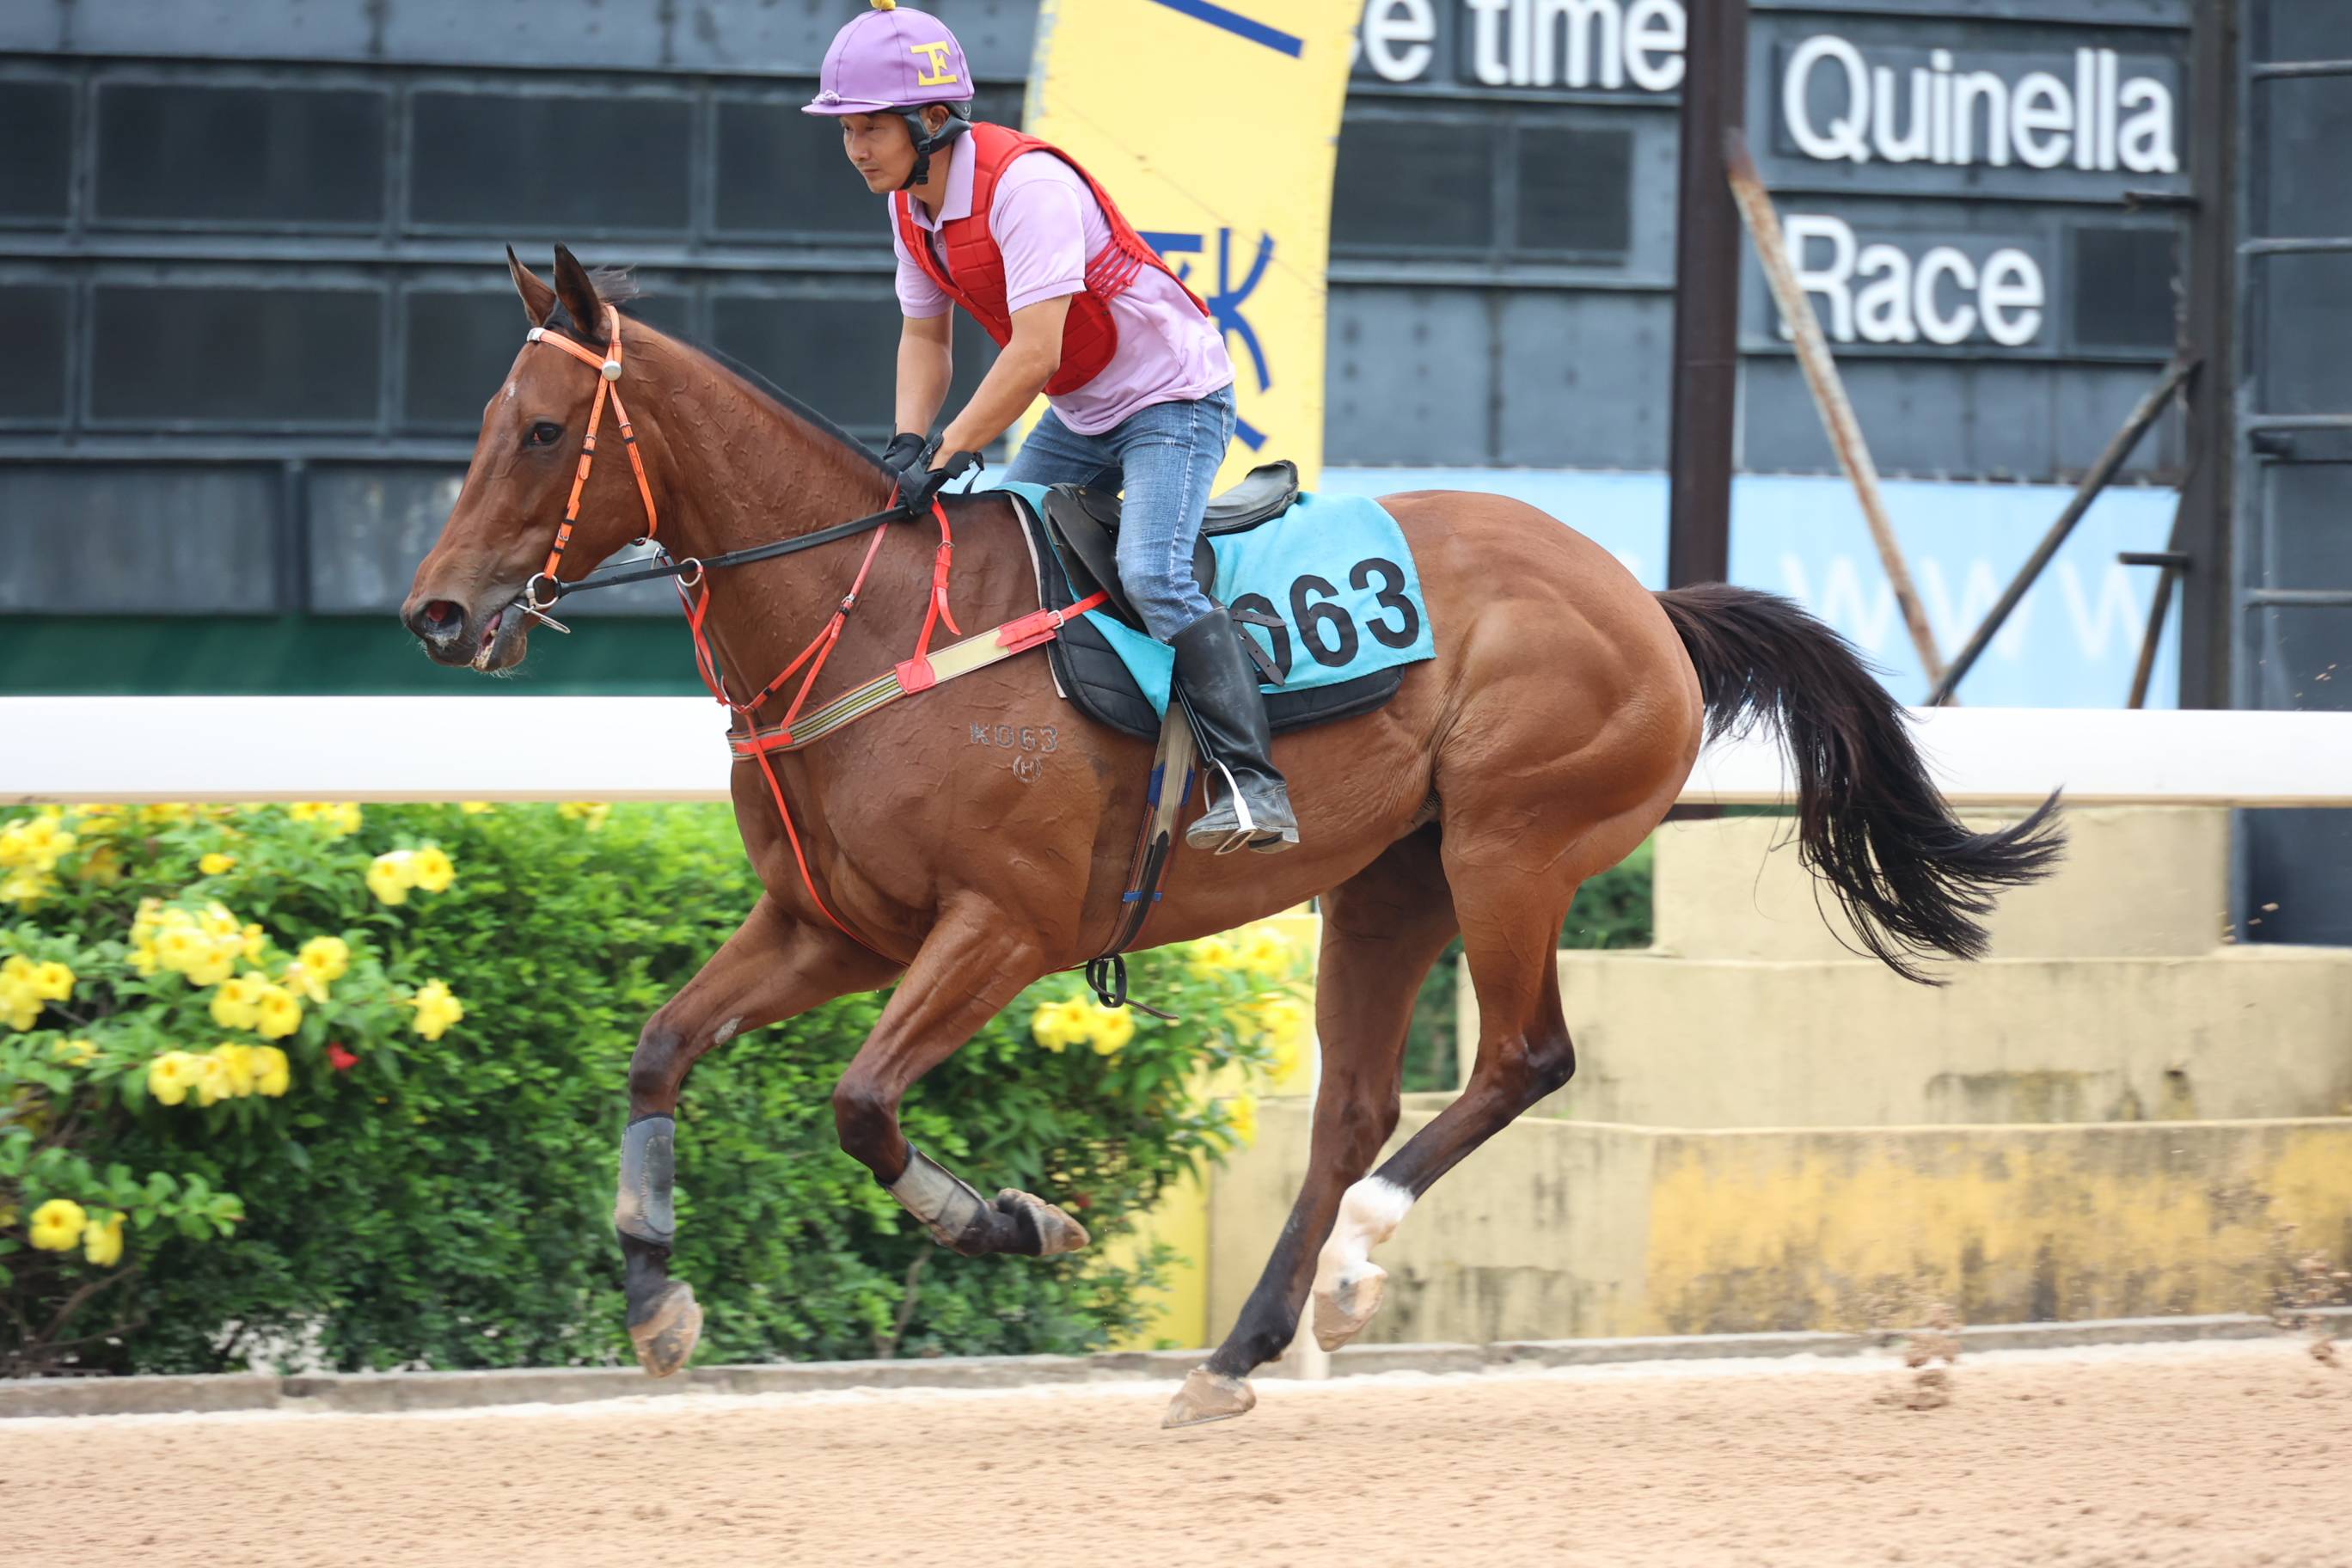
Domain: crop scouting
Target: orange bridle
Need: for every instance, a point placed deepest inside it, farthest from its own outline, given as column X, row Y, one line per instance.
column 608, row 375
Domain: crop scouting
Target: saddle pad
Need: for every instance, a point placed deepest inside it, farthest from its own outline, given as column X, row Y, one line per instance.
column 1335, row 569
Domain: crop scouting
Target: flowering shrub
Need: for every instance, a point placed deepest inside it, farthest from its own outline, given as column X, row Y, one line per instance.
column 352, row 1079
column 147, row 1024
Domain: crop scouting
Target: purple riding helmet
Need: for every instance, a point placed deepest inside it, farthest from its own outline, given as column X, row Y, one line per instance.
column 896, row 60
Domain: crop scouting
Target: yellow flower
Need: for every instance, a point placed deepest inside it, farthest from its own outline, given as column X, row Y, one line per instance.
column 1287, row 1051
column 75, row 1053
column 216, row 864
column 25, row 890
column 102, row 866
column 236, row 1004
column 165, row 813
column 1280, row 1019
column 589, row 813
column 1212, row 956
column 1059, row 1024
column 213, row 1083
column 172, row 1075
column 391, row 875
column 269, row 1071
column 220, row 962
column 280, row 1013
column 475, row 807
column 35, row 844
column 238, row 1060
column 1264, row 953
column 337, row 819
column 57, row 1224
column 301, row 980
column 215, row 919
column 1110, row 1027
column 435, row 869
column 101, row 1242
column 182, row 948
column 253, row 941
column 437, row 1009
column 52, row 981
column 20, row 1001
column 90, row 821
column 328, row 957
column 1241, row 1120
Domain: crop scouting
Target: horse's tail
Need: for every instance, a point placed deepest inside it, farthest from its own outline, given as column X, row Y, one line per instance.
column 1914, row 880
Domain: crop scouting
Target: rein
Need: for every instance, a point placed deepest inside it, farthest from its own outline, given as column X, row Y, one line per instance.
column 919, row 673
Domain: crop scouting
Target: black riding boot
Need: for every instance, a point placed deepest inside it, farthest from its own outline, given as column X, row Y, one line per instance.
column 1252, row 802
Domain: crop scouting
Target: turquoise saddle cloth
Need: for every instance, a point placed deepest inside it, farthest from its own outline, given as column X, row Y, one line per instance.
column 1335, row 569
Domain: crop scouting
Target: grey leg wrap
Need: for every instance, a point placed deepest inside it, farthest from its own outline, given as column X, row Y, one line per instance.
column 948, row 1206
column 648, row 1166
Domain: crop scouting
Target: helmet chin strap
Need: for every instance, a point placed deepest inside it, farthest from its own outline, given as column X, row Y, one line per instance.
column 927, row 143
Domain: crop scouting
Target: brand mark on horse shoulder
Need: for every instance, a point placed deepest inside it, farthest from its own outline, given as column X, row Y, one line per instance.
column 1039, row 738
column 1027, row 766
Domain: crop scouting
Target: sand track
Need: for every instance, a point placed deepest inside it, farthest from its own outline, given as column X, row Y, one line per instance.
column 2179, row 1455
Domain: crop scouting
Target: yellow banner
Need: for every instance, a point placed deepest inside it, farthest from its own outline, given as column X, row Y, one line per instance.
column 1214, row 128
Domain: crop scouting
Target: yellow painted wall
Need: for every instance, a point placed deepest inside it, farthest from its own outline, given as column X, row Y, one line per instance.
column 1563, row 1229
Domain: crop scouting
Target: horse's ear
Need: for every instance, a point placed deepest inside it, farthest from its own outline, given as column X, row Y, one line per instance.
column 538, row 299
column 578, row 294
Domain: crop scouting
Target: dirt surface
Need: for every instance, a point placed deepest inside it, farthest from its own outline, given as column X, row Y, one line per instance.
column 2177, row 1455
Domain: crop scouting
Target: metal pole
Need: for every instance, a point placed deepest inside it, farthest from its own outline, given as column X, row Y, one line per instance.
column 1704, row 444
column 2169, row 565
column 2202, row 529
column 2118, row 448
column 1828, row 392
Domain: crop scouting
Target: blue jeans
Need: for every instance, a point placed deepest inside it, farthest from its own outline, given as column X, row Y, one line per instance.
column 1167, row 455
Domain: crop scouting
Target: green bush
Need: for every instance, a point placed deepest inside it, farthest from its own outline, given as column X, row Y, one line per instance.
column 407, row 1201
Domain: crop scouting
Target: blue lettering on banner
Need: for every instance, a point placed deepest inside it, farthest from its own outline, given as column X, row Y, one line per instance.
column 1225, row 301
column 2072, row 642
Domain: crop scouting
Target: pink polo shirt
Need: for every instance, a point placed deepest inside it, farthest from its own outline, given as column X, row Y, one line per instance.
column 1047, row 223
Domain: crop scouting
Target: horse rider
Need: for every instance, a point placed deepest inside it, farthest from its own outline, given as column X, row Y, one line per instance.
column 1084, row 311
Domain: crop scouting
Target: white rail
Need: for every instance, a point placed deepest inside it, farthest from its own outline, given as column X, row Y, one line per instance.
column 670, row 748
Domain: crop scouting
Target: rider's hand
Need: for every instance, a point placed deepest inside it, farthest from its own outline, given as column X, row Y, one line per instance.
column 918, row 486
column 904, row 452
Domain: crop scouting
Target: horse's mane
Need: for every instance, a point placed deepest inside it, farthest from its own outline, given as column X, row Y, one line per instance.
column 761, row 386
column 618, row 286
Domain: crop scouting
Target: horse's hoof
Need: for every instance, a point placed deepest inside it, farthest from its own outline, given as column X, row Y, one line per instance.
column 1341, row 1315
column 666, row 1337
column 1056, row 1232
column 1208, row 1396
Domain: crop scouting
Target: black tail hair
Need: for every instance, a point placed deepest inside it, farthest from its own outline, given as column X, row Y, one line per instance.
column 1912, row 879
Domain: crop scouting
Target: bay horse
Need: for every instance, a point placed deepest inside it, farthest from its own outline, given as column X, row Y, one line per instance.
column 1548, row 736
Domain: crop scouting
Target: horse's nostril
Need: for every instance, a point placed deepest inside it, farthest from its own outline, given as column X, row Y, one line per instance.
column 441, row 616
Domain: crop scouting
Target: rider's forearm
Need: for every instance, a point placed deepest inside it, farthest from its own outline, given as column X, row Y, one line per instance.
column 1012, row 385
column 925, row 368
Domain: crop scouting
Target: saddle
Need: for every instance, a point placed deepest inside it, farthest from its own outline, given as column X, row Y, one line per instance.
column 1085, row 523
column 1076, row 530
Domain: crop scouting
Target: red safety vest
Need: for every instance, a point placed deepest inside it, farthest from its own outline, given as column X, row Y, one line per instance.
column 974, row 275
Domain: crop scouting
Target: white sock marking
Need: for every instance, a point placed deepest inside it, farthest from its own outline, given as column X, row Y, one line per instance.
column 1368, row 1215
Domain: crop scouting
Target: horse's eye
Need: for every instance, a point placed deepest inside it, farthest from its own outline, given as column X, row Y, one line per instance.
column 546, row 433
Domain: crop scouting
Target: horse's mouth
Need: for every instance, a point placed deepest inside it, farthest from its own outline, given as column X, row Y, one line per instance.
column 504, row 639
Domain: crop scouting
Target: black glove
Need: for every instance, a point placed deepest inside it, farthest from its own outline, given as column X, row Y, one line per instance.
column 919, row 486
column 905, row 450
